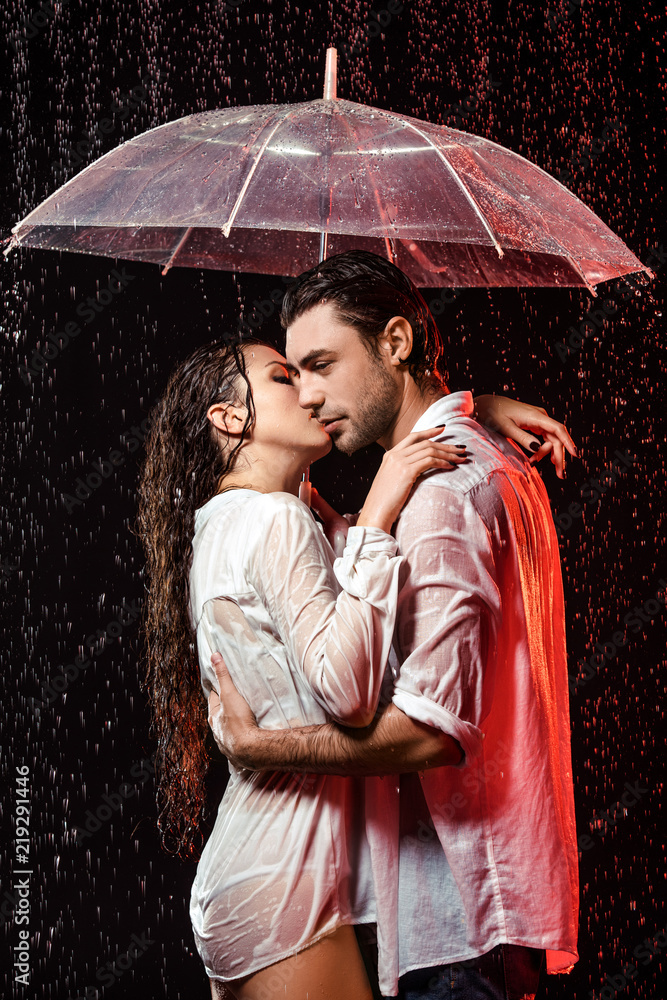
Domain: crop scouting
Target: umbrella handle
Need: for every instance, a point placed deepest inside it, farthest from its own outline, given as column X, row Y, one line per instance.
column 305, row 488
column 330, row 76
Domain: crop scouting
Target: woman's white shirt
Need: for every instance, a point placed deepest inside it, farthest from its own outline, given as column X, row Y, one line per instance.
column 306, row 638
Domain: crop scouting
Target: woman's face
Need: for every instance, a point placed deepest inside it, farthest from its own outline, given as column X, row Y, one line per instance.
column 280, row 423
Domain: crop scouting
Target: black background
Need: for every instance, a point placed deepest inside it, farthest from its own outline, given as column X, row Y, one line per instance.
column 560, row 75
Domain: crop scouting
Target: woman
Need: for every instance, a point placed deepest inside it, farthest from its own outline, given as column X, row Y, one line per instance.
column 284, row 874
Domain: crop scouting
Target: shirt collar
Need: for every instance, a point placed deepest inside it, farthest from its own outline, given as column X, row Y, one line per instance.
column 456, row 404
column 202, row 514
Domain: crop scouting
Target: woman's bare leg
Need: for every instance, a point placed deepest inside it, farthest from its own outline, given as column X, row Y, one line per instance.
column 220, row 991
column 332, row 969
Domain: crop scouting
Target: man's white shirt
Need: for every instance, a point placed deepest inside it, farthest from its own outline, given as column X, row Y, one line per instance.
column 482, row 853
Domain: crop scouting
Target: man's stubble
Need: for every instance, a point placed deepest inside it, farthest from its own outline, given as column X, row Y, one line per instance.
column 377, row 408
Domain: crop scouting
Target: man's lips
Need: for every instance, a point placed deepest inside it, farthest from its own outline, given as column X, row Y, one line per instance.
column 330, row 424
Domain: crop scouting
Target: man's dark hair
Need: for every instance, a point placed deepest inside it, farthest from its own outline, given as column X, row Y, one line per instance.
column 367, row 290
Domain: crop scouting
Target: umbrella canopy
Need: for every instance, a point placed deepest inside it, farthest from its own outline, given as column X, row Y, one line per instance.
column 274, row 188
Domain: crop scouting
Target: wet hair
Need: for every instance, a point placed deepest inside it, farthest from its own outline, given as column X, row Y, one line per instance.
column 367, row 290
column 186, row 460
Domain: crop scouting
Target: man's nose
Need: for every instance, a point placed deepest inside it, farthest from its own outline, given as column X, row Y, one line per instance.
column 310, row 396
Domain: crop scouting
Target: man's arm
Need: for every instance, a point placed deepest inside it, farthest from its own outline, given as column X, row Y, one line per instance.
column 392, row 744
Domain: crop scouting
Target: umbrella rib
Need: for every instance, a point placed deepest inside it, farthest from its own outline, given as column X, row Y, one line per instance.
column 183, row 154
column 230, row 222
column 388, row 243
column 109, row 155
column 580, row 271
column 180, row 244
column 460, row 183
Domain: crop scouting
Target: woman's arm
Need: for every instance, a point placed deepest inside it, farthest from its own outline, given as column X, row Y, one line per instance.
column 338, row 641
column 521, row 422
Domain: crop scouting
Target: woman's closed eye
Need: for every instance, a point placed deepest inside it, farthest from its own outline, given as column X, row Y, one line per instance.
column 284, row 379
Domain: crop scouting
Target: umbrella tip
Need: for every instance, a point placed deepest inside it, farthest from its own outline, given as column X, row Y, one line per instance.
column 10, row 243
column 330, row 74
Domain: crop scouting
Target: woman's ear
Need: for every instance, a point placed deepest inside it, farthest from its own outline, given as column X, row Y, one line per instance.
column 228, row 418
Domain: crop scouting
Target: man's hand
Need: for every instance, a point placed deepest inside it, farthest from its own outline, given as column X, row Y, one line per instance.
column 230, row 717
column 520, row 422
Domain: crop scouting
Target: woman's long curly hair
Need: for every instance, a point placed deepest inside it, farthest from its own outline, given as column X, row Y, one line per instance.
column 185, row 463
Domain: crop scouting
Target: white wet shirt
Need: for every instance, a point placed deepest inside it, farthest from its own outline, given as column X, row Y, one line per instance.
column 468, row 857
column 306, row 638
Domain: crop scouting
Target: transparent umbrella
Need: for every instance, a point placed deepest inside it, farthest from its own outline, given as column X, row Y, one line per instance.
column 275, row 188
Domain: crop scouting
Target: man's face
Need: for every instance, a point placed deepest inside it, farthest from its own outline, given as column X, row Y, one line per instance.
column 350, row 391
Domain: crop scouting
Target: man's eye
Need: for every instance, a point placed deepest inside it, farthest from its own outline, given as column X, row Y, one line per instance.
column 321, row 365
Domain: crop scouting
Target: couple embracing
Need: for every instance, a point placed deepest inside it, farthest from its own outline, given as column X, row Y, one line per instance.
column 395, row 712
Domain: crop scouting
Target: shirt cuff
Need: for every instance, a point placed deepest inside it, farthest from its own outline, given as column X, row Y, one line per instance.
column 359, row 570
column 422, row 709
column 372, row 540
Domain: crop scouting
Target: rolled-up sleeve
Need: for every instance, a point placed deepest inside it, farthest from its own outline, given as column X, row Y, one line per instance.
column 448, row 614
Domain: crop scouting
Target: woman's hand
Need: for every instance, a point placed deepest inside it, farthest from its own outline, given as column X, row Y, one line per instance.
column 520, row 422
column 401, row 466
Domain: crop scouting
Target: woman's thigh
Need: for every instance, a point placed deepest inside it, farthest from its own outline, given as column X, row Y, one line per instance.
column 220, row 991
column 332, row 969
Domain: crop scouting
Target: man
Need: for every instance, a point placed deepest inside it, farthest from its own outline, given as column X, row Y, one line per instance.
column 474, row 846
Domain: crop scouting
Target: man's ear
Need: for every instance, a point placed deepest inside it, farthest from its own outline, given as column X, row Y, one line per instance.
column 396, row 340
column 228, row 418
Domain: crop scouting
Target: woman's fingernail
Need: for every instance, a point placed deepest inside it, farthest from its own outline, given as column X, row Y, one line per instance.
column 534, row 446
